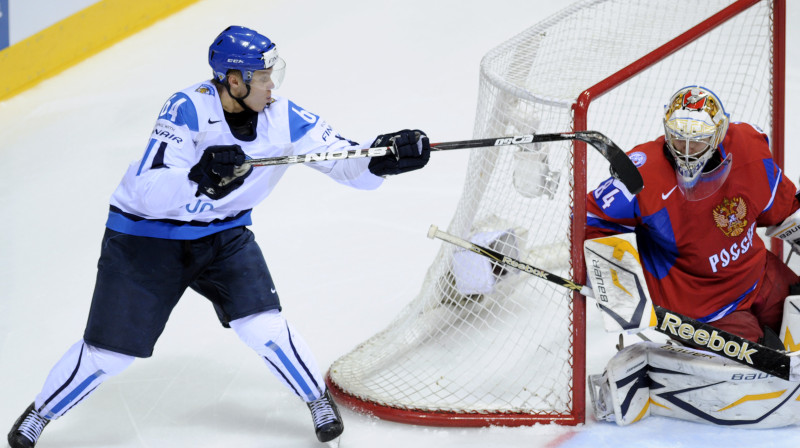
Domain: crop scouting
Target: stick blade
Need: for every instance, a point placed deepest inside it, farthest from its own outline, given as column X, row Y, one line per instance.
column 621, row 165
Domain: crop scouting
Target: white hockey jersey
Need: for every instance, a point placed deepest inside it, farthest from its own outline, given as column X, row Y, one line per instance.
column 156, row 197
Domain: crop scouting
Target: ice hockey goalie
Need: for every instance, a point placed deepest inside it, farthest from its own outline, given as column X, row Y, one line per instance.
column 671, row 380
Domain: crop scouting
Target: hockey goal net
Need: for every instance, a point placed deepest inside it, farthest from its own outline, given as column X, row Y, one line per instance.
column 481, row 345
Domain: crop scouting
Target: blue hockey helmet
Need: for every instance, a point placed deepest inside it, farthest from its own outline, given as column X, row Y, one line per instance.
column 240, row 48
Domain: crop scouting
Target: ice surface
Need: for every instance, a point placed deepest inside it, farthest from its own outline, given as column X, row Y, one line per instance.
column 345, row 261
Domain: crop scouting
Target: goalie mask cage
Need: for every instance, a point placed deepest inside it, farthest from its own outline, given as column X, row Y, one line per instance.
column 481, row 345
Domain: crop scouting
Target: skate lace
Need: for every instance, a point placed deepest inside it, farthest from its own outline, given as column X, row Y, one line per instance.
column 321, row 411
column 32, row 426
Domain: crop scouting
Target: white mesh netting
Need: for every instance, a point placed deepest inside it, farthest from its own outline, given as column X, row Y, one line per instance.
column 480, row 340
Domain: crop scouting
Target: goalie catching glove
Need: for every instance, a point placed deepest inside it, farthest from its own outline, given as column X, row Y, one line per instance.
column 220, row 170
column 412, row 149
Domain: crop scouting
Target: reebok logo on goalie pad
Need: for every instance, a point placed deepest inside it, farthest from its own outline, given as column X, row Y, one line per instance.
column 713, row 341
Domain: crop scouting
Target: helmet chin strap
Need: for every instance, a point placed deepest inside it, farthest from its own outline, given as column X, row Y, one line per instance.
column 239, row 100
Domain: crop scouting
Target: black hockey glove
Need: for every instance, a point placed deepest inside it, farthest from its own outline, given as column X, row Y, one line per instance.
column 220, row 170
column 411, row 152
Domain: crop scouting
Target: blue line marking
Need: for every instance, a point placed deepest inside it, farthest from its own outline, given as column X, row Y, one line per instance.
column 292, row 370
column 300, row 360
column 75, row 393
column 283, row 376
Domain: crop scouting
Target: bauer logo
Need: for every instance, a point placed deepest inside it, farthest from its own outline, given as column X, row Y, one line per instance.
column 685, row 351
column 784, row 235
column 598, row 285
column 516, row 140
column 713, row 340
column 638, row 158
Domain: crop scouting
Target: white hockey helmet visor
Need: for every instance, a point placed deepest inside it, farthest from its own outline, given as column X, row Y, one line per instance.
column 277, row 64
column 706, row 183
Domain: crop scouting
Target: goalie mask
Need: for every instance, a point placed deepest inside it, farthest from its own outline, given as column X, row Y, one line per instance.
column 695, row 124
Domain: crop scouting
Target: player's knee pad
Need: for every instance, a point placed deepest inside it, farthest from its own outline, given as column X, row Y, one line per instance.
column 76, row 375
column 283, row 350
column 660, row 379
column 112, row 363
column 257, row 329
column 790, row 326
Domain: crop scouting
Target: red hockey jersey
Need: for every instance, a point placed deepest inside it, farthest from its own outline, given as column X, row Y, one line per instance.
column 700, row 258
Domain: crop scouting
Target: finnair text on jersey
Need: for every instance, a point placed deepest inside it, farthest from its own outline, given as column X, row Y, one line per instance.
column 167, row 136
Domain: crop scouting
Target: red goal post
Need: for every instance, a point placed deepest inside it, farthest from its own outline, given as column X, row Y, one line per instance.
column 480, row 346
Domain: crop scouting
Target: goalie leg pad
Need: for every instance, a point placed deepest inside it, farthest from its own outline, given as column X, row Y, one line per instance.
column 679, row 382
column 621, row 394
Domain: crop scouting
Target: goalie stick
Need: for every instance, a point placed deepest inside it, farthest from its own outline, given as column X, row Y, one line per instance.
column 621, row 166
column 677, row 326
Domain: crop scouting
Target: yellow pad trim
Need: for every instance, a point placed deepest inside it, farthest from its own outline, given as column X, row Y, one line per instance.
column 653, row 317
column 646, row 407
column 620, row 247
column 615, row 280
column 753, row 398
column 789, row 344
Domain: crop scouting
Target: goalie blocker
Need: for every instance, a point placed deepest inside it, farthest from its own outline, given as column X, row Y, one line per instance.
column 681, row 382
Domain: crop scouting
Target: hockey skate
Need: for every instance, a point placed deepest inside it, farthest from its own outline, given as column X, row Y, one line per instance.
column 327, row 421
column 27, row 429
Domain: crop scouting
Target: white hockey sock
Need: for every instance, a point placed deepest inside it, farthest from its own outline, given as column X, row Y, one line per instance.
column 75, row 376
column 286, row 354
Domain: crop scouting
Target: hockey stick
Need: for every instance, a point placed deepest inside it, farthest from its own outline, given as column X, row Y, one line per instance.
column 621, row 165
column 677, row 326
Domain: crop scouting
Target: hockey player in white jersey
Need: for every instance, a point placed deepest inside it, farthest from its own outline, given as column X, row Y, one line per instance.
column 177, row 220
